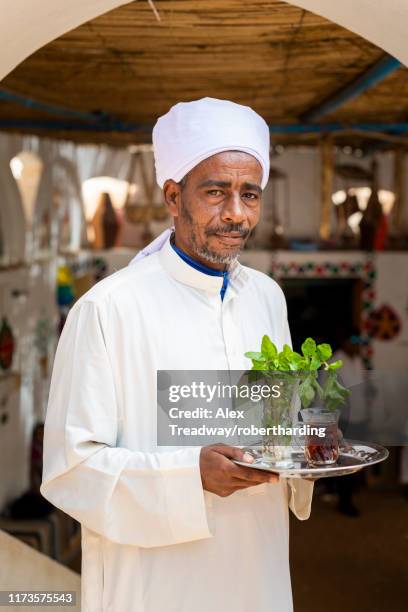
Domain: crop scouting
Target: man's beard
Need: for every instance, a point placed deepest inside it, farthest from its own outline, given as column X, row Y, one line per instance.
column 213, row 257
column 203, row 250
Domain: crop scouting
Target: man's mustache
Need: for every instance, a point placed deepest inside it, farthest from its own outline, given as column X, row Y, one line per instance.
column 229, row 229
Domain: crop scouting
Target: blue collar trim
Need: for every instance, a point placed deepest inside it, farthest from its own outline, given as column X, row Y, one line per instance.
column 204, row 269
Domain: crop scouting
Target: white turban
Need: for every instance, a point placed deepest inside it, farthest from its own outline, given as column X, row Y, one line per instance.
column 193, row 131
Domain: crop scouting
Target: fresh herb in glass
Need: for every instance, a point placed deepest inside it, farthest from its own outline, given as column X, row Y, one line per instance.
column 297, row 375
column 314, row 358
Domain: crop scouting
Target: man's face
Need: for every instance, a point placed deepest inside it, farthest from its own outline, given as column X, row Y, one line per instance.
column 216, row 206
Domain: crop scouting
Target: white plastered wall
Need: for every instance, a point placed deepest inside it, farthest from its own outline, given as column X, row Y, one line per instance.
column 28, row 25
column 382, row 23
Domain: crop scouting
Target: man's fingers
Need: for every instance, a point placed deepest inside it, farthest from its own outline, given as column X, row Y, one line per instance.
column 251, row 475
column 247, row 458
column 245, row 484
column 241, row 472
column 220, row 475
column 232, row 452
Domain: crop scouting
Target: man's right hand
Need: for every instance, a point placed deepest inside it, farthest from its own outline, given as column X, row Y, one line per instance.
column 223, row 477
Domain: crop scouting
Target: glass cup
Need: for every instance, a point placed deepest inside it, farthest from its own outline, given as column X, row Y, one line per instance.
column 279, row 416
column 321, row 440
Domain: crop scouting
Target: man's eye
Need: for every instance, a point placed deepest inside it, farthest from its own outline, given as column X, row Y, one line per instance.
column 250, row 196
column 215, row 192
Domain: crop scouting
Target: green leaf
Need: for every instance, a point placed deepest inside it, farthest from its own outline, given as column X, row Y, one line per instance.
column 287, row 351
column 324, row 351
column 290, row 359
column 253, row 355
column 315, row 363
column 260, row 365
column 295, row 365
column 317, row 387
column 297, row 362
column 268, row 349
column 306, row 392
column 334, row 393
column 335, row 365
column 309, row 347
column 334, row 399
column 283, row 363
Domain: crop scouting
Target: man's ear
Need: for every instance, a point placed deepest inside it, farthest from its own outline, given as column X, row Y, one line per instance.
column 172, row 197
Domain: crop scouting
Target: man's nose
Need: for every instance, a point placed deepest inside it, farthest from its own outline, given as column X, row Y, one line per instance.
column 233, row 210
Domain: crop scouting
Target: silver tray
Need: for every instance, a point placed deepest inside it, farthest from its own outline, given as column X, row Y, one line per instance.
column 353, row 457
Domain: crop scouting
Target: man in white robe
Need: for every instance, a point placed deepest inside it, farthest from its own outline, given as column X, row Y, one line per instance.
column 181, row 529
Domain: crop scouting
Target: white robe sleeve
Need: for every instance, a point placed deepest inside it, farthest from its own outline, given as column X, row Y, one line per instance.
column 300, row 490
column 129, row 497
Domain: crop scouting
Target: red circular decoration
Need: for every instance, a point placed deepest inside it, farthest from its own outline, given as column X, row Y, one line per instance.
column 383, row 323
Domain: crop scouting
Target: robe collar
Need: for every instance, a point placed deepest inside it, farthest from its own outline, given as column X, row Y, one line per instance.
column 186, row 274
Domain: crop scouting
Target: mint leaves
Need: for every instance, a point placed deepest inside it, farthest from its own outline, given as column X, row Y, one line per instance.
column 334, row 393
column 314, row 357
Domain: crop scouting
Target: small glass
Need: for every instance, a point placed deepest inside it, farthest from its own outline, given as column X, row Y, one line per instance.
column 279, row 415
column 321, row 449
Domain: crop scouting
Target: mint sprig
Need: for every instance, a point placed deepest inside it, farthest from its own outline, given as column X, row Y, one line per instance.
column 314, row 357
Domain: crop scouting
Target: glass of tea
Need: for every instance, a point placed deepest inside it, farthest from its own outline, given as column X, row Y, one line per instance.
column 321, row 439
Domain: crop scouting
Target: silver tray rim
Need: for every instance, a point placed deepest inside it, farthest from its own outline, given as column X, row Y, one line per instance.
column 380, row 453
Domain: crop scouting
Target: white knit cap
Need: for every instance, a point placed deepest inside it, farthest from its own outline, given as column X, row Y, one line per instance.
column 193, row 131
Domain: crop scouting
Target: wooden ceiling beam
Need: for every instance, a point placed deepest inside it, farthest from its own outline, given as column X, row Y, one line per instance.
column 376, row 73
